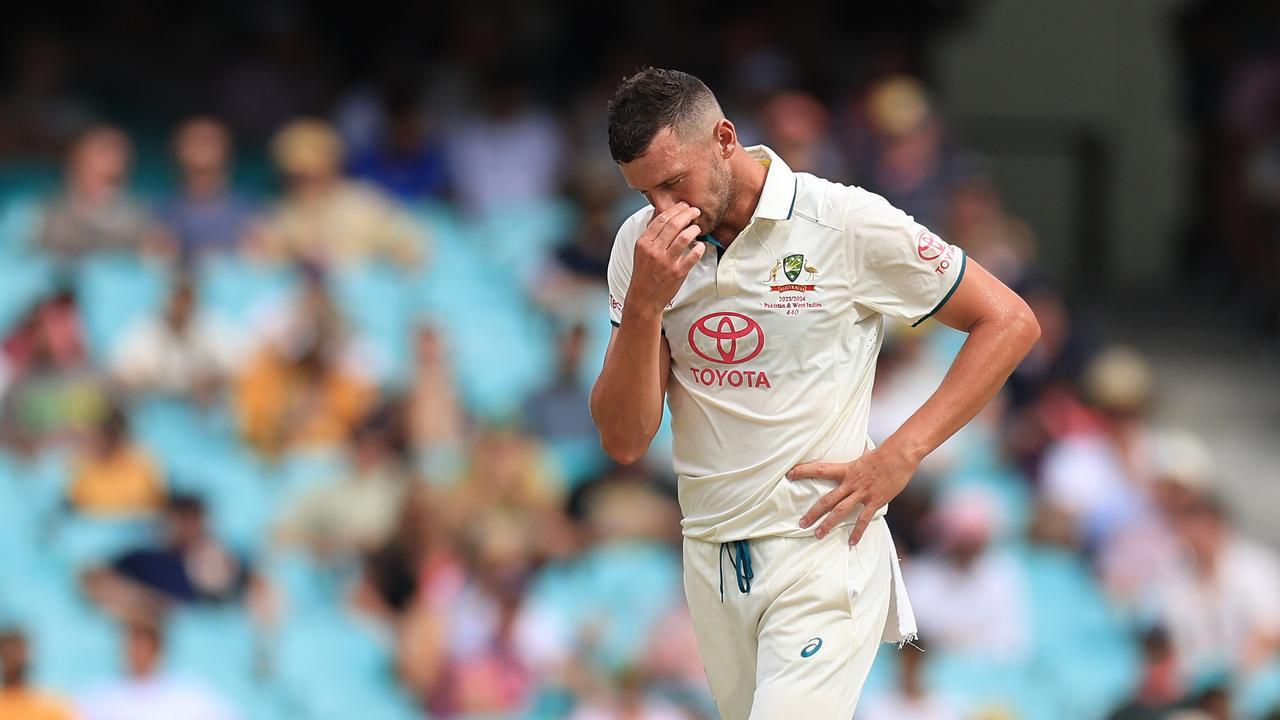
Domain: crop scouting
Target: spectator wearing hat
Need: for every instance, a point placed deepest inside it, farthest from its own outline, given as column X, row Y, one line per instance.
column 326, row 219
column 1100, row 470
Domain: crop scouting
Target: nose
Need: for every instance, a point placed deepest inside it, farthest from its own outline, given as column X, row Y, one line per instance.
column 662, row 202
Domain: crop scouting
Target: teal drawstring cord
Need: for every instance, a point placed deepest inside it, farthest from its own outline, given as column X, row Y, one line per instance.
column 740, row 557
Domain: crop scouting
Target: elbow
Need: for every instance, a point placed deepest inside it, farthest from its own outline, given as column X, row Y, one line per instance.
column 1028, row 328
column 616, row 445
column 621, row 453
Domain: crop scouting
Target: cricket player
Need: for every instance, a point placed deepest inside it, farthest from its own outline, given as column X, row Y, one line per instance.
column 753, row 299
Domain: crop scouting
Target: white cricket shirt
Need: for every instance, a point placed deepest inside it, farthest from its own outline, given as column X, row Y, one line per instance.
column 774, row 344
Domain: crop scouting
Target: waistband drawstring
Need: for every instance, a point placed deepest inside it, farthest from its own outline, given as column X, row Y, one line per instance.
column 740, row 556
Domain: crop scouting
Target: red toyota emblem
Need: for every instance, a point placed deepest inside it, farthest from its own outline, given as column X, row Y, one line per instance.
column 728, row 338
column 929, row 245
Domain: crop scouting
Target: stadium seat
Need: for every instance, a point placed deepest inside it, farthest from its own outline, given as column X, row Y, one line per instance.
column 330, row 666
column 114, row 291
column 377, row 302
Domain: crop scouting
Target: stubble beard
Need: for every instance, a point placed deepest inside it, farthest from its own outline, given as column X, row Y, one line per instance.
column 722, row 189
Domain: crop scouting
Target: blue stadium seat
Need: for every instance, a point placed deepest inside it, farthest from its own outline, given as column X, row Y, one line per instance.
column 115, row 291
column 1259, row 693
column 576, row 460
column 330, row 665
column 518, row 237
column 80, row 541
column 235, row 290
column 620, row 590
column 218, row 646
column 377, row 301
column 1083, row 645
column 76, row 647
column 308, row 586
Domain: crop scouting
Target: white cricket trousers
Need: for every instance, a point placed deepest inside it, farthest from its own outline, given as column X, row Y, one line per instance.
column 799, row 642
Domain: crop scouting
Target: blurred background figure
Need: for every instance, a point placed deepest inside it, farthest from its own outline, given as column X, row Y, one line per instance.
column 295, row 340
column 506, row 152
column 1221, row 601
column 39, row 116
column 208, row 216
column 52, row 394
column 967, row 597
column 627, row 699
column 1099, row 468
column 797, row 126
column 149, row 692
column 185, row 565
column 96, row 213
column 409, row 160
column 434, row 418
column 304, row 386
column 906, row 154
column 178, row 353
column 114, row 476
column 325, row 218
column 18, row 699
column 357, row 512
column 910, row 699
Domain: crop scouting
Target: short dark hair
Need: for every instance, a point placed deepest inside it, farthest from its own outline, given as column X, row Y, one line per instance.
column 649, row 101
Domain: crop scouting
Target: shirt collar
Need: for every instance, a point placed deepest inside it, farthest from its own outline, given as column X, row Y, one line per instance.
column 778, row 198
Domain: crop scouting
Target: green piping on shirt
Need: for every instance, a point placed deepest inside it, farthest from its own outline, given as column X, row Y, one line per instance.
column 964, row 262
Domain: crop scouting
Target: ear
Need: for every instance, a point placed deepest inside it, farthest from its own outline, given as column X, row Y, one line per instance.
column 726, row 137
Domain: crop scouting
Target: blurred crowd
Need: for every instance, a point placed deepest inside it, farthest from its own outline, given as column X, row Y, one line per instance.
column 295, row 424
column 1230, row 98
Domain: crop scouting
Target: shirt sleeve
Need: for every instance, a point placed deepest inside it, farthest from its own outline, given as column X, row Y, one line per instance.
column 900, row 268
column 620, row 261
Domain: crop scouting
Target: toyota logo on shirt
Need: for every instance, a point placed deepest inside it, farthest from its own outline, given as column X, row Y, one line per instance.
column 929, row 246
column 727, row 338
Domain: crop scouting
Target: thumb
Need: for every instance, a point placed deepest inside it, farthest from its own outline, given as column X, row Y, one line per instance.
column 692, row 257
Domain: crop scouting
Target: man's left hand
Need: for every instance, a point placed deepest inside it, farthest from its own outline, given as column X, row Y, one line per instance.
column 871, row 480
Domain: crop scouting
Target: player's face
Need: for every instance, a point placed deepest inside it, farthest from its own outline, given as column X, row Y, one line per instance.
column 673, row 170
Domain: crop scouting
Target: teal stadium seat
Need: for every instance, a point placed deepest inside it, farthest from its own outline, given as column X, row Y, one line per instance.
column 501, row 349
column 25, row 278
column 377, row 302
column 218, row 646
column 617, row 591
column 114, row 292
column 234, row 290
column 1083, row 650
column 331, row 666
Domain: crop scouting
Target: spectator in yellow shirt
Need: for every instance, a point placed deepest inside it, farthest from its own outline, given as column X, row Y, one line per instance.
column 18, row 701
column 114, row 476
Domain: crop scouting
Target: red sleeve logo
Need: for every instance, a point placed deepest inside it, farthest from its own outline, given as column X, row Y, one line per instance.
column 929, row 246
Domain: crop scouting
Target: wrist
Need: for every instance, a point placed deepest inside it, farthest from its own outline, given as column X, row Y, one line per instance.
column 643, row 314
column 905, row 449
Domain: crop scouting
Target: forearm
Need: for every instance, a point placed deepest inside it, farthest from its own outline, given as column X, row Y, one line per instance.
column 626, row 401
column 993, row 349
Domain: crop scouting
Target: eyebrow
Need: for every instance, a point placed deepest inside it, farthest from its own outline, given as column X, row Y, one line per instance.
column 668, row 181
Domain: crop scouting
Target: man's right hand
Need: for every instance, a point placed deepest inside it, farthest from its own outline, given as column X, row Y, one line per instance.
column 665, row 253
